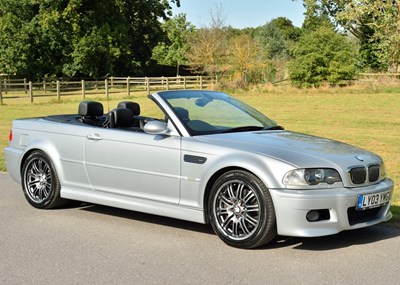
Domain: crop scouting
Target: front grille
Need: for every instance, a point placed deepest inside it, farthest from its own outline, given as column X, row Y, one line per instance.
column 373, row 173
column 358, row 175
column 356, row 217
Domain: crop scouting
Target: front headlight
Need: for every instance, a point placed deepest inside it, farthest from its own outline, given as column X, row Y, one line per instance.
column 311, row 176
column 382, row 173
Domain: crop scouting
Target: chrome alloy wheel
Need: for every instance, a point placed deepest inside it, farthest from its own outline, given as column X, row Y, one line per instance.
column 237, row 209
column 38, row 180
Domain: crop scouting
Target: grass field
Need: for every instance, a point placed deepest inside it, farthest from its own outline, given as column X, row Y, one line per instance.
column 367, row 117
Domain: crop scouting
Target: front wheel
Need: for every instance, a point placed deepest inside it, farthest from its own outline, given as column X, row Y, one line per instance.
column 40, row 182
column 241, row 210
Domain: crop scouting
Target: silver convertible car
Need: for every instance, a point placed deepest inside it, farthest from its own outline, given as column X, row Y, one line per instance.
column 210, row 159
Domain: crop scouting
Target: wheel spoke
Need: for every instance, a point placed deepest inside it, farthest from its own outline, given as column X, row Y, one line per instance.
column 227, row 221
column 35, row 169
column 223, row 211
column 230, row 191
column 240, row 191
column 251, row 220
column 226, row 201
column 248, row 196
column 243, row 226
column 252, row 208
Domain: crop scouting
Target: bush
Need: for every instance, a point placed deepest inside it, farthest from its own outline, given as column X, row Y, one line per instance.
column 321, row 56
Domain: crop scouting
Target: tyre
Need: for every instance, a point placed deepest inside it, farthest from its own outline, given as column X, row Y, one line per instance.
column 40, row 182
column 241, row 210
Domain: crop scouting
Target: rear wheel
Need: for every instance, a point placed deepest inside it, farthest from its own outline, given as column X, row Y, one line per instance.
column 40, row 182
column 241, row 210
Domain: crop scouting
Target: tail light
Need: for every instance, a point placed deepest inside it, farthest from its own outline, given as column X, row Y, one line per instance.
column 10, row 137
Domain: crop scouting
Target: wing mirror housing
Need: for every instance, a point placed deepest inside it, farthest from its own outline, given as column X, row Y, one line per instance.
column 156, row 128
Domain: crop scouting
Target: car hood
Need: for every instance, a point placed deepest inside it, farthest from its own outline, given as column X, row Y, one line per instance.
column 299, row 150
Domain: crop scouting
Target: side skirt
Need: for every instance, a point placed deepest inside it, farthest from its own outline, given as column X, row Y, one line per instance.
column 134, row 204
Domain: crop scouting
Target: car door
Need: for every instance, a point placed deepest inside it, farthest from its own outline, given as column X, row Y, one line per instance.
column 132, row 163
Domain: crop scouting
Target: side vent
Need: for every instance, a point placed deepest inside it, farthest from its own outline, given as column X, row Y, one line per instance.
column 194, row 159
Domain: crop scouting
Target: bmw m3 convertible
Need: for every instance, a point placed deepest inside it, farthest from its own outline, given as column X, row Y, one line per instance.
column 210, row 159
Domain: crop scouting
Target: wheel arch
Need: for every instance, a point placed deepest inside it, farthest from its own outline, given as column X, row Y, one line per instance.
column 48, row 150
column 211, row 182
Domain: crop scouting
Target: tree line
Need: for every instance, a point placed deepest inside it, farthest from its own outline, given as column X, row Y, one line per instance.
column 82, row 38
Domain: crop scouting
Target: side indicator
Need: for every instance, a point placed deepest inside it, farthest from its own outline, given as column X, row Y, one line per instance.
column 10, row 137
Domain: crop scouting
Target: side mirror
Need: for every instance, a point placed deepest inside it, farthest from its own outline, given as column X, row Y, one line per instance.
column 156, row 128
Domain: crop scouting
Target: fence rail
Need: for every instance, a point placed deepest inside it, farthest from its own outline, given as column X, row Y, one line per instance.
column 22, row 88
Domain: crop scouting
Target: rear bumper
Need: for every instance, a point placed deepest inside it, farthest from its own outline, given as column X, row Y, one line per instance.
column 292, row 206
column 12, row 157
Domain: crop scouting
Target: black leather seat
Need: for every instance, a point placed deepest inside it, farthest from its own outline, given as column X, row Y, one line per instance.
column 122, row 117
column 135, row 108
column 90, row 112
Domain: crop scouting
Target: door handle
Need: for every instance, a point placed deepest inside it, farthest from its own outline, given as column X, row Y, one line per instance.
column 94, row 137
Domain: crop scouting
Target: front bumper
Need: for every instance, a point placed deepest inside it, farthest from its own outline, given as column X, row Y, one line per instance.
column 292, row 206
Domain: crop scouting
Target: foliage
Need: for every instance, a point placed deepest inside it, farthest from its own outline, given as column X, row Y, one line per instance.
column 276, row 37
column 78, row 37
column 383, row 19
column 245, row 60
column 272, row 41
column 173, row 51
column 375, row 23
column 322, row 55
column 209, row 51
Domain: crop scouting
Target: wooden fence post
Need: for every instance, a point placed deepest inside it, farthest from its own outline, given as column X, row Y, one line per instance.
column 128, row 86
column 26, row 89
column 83, row 89
column 31, row 91
column 147, row 82
column 184, row 83
column 1, row 94
column 167, row 87
column 201, row 82
column 58, row 88
column 106, row 89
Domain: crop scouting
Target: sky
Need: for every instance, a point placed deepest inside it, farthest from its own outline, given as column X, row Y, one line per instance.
column 241, row 13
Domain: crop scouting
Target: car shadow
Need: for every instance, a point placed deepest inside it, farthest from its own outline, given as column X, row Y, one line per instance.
column 341, row 240
column 147, row 218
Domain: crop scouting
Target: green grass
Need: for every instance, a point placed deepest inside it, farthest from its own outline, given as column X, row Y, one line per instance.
column 365, row 117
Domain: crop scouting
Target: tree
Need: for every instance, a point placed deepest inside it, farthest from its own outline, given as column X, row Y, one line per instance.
column 272, row 41
column 173, row 51
column 382, row 20
column 245, row 59
column 79, row 37
column 322, row 55
column 375, row 23
column 208, row 51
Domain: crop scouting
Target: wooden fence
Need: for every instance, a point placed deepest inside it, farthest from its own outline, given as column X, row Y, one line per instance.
column 22, row 88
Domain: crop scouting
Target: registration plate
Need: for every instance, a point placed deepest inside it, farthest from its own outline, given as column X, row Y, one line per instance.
column 372, row 200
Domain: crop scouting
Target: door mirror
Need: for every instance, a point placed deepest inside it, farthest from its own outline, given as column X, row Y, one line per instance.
column 156, row 128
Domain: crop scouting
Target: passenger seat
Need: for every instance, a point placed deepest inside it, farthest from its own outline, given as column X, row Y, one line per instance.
column 135, row 108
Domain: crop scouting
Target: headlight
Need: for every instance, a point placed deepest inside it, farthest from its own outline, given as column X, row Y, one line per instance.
column 382, row 173
column 311, row 176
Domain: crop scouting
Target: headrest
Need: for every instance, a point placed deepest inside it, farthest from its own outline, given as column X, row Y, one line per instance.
column 122, row 117
column 90, row 108
column 130, row 105
column 182, row 113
